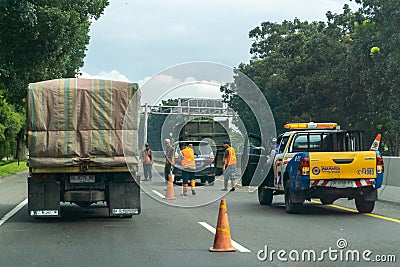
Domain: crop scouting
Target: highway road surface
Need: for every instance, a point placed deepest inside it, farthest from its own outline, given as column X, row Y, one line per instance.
column 172, row 235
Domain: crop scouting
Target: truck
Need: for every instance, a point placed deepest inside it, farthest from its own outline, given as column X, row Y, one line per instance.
column 75, row 129
column 207, row 137
column 319, row 160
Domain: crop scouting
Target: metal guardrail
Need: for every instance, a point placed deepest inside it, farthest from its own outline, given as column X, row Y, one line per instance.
column 390, row 190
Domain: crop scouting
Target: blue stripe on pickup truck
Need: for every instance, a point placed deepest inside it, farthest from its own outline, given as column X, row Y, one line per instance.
column 298, row 183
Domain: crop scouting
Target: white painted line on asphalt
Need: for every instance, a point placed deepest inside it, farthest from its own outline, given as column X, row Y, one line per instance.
column 13, row 211
column 158, row 193
column 236, row 245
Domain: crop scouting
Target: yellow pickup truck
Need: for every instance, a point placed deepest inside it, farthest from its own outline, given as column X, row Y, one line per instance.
column 318, row 160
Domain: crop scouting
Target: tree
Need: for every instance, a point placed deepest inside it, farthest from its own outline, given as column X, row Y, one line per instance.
column 345, row 70
column 41, row 40
column 376, row 55
column 10, row 124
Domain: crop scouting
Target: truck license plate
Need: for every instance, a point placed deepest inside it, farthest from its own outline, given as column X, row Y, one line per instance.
column 341, row 183
column 82, row 179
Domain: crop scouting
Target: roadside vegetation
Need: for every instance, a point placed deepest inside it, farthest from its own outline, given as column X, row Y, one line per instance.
column 39, row 40
column 8, row 168
column 344, row 70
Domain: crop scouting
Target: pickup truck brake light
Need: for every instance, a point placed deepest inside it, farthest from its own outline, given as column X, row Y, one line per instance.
column 304, row 167
column 379, row 164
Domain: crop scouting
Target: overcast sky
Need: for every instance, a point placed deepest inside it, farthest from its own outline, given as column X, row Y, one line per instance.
column 135, row 39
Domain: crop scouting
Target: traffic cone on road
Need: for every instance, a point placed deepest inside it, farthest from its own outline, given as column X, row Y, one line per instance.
column 222, row 240
column 375, row 144
column 170, row 194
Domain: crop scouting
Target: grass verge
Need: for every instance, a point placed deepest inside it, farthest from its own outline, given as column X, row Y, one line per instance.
column 8, row 168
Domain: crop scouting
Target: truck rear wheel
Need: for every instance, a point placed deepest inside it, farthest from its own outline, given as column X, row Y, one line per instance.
column 291, row 207
column 364, row 206
column 265, row 196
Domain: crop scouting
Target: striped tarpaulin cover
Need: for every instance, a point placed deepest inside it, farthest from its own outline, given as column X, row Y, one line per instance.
column 70, row 120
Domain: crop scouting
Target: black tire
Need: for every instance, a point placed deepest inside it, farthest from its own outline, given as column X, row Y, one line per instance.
column 289, row 206
column 364, row 206
column 211, row 181
column 265, row 196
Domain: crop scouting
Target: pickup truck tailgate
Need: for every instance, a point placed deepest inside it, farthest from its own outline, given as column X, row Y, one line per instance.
column 342, row 165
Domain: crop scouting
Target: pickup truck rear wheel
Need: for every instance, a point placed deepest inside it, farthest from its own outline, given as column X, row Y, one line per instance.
column 364, row 206
column 289, row 206
column 265, row 196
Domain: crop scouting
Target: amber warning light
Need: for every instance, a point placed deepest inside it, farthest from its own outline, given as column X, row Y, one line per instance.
column 311, row 125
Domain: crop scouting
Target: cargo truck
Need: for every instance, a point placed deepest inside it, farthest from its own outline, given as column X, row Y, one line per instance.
column 76, row 155
column 209, row 134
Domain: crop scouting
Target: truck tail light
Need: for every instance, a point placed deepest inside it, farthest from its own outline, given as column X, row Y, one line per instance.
column 379, row 164
column 304, row 167
column 40, row 177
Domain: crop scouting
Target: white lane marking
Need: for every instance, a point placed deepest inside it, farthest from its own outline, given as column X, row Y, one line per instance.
column 158, row 193
column 13, row 211
column 236, row 245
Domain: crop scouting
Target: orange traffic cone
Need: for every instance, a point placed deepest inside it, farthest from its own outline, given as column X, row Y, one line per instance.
column 375, row 144
column 170, row 195
column 222, row 240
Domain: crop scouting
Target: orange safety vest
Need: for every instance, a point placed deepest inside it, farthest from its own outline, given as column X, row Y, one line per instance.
column 231, row 160
column 146, row 156
column 188, row 158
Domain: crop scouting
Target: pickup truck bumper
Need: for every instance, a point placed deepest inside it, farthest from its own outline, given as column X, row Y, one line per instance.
column 301, row 183
column 368, row 193
column 330, row 190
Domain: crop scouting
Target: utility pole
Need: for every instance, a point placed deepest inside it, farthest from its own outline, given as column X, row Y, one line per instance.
column 146, row 117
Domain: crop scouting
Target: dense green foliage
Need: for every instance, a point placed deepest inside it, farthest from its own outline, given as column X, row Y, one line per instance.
column 39, row 40
column 344, row 70
column 10, row 125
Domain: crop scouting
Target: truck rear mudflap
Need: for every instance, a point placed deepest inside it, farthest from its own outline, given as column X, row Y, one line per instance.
column 124, row 199
column 43, row 198
column 118, row 190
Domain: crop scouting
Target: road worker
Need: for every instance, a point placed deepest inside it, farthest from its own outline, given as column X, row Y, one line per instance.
column 147, row 160
column 229, row 167
column 188, row 168
column 169, row 157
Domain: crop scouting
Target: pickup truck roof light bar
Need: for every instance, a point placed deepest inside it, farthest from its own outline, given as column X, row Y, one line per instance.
column 312, row 125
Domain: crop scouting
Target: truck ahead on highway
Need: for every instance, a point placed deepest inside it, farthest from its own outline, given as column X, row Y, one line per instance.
column 207, row 137
column 318, row 160
column 76, row 154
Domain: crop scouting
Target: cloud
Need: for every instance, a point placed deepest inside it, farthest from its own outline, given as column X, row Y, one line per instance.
column 140, row 38
column 162, row 87
column 112, row 75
